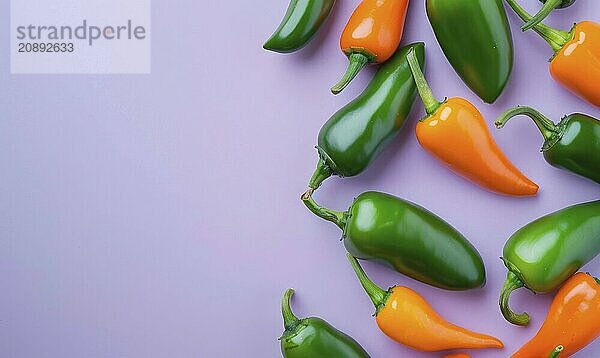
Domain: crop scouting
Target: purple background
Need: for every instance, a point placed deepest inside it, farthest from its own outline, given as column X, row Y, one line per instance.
column 158, row 215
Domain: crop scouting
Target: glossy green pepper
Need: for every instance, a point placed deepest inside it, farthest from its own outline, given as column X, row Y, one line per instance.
column 475, row 37
column 353, row 137
column 314, row 337
column 569, row 144
column 299, row 25
column 543, row 254
column 407, row 238
column 549, row 6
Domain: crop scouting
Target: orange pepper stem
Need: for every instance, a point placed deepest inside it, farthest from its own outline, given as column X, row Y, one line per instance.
column 336, row 217
column 429, row 100
column 555, row 38
column 556, row 352
column 290, row 321
column 377, row 294
column 513, row 282
column 548, row 7
column 358, row 60
column 549, row 130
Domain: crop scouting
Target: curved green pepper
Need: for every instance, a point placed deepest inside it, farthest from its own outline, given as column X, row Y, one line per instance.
column 300, row 23
column 314, row 337
column 407, row 238
column 546, row 252
column 475, row 37
column 353, row 137
column 549, row 6
column 569, row 144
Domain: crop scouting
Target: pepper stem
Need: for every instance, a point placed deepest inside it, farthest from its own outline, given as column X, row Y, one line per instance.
column 290, row 321
column 545, row 125
column 322, row 172
column 357, row 62
column 555, row 38
column 556, row 352
column 336, row 217
column 597, row 280
column 431, row 104
column 512, row 283
column 376, row 293
column 548, row 7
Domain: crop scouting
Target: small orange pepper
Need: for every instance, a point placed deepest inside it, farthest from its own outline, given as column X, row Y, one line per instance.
column 576, row 61
column 456, row 133
column 577, row 64
column 372, row 35
column 573, row 320
column 406, row 317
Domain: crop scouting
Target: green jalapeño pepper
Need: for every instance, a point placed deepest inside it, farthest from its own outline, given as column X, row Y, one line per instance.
column 549, row 6
column 299, row 25
column 573, row 144
column 314, row 337
column 353, row 137
column 407, row 238
column 543, row 254
column 475, row 37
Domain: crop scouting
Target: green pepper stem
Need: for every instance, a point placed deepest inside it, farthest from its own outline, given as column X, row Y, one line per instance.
column 376, row 293
column 512, row 283
column 336, row 217
column 357, row 62
column 556, row 352
column 555, row 38
column 545, row 125
column 290, row 321
column 597, row 280
column 429, row 101
column 322, row 172
column 548, row 7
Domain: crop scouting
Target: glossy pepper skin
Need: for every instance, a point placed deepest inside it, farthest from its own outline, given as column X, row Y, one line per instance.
column 573, row 320
column 576, row 61
column 355, row 135
column 456, row 133
column 569, row 144
column 299, row 25
column 408, row 238
column 543, row 254
column 549, row 6
column 314, row 337
column 372, row 35
column 406, row 317
column 457, row 355
column 476, row 39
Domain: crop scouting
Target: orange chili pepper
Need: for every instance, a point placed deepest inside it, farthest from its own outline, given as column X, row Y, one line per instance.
column 404, row 316
column 372, row 35
column 577, row 64
column 576, row 61
column 455, row 132
column 457, row 355
column 573, row 320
